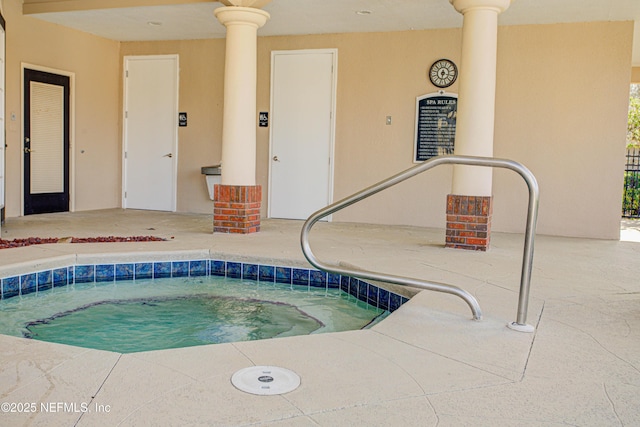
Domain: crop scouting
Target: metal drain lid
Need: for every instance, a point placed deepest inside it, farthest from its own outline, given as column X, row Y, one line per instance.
column 265, row 380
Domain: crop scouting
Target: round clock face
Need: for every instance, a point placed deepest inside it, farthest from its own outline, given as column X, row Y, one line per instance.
column 443, row 73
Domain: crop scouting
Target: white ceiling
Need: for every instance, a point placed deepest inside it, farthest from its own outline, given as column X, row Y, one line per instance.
column 295, row 17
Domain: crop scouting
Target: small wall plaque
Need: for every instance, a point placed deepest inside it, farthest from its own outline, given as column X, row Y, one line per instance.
column 263, row 119
column 182, row 119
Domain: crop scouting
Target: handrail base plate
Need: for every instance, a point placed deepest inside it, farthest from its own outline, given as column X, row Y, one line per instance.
column 521, row 328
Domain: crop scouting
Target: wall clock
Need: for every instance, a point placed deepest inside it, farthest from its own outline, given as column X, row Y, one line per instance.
column 443, row 73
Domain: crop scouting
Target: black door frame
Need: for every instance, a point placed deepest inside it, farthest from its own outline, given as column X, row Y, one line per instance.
column 46, row 202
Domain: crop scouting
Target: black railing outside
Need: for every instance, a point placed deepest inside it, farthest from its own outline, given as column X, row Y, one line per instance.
column 631, row 195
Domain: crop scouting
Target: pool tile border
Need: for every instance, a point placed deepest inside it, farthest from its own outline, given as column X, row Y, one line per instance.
column 42, row 280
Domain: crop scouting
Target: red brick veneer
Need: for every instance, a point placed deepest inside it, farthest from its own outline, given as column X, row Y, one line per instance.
column 469, row 222
column 236, row 208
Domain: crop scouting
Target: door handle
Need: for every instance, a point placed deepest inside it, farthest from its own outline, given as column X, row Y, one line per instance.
column 28, row 150
column 169, row 155
column 275, row 159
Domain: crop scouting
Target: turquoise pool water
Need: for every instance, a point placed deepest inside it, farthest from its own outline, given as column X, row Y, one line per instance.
column 142, row 315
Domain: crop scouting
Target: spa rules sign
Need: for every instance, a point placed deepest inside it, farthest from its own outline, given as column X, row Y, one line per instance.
column 436, row 115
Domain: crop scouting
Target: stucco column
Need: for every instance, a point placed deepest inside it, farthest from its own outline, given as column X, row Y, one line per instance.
column 476, row 92
column 239, row 121
column 237, row 199
column 469, row 208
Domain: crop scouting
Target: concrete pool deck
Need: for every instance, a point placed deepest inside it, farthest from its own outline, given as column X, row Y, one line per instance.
column 426, row 364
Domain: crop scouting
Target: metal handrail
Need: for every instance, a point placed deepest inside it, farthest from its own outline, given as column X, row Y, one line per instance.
column 527, row 261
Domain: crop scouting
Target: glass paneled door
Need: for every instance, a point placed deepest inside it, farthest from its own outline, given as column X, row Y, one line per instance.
column 46, row 142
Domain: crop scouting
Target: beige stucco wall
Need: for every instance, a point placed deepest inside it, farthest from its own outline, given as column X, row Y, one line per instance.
column 379, row 75
column 555, row 113
column 635, row 75
column 370, row 87
column 559, row 115
column 96, row 147
column 47, row 6
column 201, row 97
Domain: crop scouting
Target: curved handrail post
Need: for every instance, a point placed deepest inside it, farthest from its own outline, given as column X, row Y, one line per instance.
column 527, row 257
column 527, row 262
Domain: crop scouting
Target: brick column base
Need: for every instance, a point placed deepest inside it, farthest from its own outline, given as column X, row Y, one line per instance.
column 469, row 222
column 236, row 208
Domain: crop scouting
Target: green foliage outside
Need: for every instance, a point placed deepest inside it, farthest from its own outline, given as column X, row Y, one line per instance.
column 631, row 196
column 633, row 124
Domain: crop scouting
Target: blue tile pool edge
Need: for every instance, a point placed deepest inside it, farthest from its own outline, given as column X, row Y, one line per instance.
column 42, row 280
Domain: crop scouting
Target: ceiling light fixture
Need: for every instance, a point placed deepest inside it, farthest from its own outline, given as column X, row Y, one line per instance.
column 363, row 12
column 154, row 23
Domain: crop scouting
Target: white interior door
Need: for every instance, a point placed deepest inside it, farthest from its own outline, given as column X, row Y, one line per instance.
column 2, row 118
column 303, row 85
column 150, row 132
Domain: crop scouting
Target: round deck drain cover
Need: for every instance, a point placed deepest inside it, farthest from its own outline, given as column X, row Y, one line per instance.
column 265, row 380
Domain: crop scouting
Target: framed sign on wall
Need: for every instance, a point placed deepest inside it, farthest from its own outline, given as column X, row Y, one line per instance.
column 436, row 115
